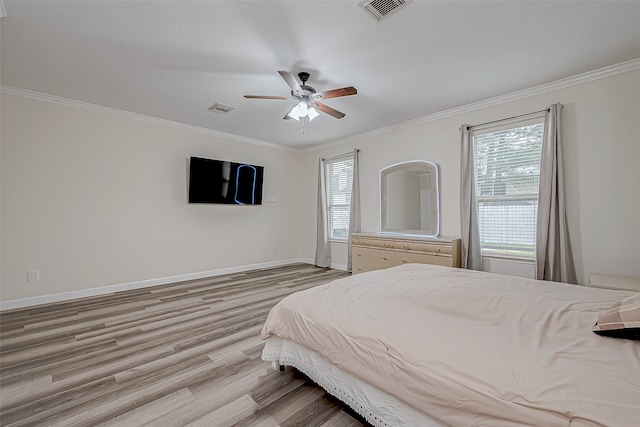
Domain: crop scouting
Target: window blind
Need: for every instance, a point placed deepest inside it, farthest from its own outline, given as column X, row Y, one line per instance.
column 339, row 175
column 507, row 172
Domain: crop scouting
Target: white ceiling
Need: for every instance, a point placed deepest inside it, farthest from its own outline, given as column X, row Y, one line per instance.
column 172, row 60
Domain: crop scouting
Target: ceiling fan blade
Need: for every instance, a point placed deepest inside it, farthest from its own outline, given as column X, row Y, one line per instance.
column 265, row 97
column 291, row 81
column 344, row 91
column 328, row 110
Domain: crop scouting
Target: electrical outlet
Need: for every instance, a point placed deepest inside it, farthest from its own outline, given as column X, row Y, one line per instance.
column 33, row 275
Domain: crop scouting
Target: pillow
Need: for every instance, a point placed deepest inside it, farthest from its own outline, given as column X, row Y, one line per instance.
column 622, row 320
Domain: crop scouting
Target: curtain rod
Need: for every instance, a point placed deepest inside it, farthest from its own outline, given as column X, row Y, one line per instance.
column 340, row 155
column 546, row 110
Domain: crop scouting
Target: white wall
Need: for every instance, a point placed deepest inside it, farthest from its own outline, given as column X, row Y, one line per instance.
column 601, row 146
column 91, row 199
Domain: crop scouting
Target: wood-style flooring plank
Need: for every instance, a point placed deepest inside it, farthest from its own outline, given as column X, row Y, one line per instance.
column 151, row 411
column 180, row 354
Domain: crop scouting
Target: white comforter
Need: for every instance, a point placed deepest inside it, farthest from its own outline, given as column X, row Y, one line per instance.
column 471, row 348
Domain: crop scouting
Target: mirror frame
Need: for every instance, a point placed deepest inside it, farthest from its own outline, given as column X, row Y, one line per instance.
column 410, row 165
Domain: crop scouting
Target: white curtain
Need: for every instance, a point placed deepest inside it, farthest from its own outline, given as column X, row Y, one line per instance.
column 554, row 260
column 471, row 253
column 323, row 248
column 354, row 214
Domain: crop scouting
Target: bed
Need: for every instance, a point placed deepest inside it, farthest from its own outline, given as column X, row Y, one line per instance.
column 424, row 345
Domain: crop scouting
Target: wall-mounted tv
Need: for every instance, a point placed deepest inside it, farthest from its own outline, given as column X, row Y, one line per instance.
column 218, row 181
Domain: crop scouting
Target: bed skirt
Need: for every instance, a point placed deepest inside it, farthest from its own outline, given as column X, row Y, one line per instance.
column 377, row 407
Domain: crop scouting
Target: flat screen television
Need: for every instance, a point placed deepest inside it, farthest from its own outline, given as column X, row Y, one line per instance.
column 218, row 181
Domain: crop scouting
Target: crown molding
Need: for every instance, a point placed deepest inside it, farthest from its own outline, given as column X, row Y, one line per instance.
column 39, row 96
column 589, row 76
column 513, row 96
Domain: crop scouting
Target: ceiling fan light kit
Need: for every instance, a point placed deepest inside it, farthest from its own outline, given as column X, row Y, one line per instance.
column 301, row 110
column 308, row 100
column 312, row 113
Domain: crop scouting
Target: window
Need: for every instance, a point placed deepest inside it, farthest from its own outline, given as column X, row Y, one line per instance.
column 339, row 175
column 507, row 174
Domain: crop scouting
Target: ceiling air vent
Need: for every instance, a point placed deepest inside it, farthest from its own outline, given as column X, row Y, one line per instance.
column 382, row 8
column 220, row 108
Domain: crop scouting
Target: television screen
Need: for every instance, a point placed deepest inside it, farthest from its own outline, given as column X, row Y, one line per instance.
column 217, row 181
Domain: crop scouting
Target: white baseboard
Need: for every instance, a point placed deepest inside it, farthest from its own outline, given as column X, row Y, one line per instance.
column 82, row 293
column 342, row 267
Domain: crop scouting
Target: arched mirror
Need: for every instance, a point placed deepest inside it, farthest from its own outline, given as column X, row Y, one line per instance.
column 410, row 198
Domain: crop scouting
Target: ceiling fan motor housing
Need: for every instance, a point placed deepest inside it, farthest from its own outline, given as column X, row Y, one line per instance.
column 304, row 76
column 306, row 90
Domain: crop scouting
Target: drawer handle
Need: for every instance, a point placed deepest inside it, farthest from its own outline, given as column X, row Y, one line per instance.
column 386, row 258
column 359, row 269
column 359, row 254
column 404, row 260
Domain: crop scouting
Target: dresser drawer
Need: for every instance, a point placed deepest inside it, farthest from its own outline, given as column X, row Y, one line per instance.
column 367, row 259
column 372, row 242
column 381, row 257
column 427, row 247
column 361, row 267
column 409, row 257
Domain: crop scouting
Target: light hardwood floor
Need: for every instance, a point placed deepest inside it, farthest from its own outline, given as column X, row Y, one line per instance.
column 172, row 355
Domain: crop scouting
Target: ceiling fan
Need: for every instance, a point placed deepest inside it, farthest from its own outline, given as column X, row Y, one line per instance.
column 308, row 99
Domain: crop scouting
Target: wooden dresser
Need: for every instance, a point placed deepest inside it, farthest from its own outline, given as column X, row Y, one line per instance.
column 376, row 251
